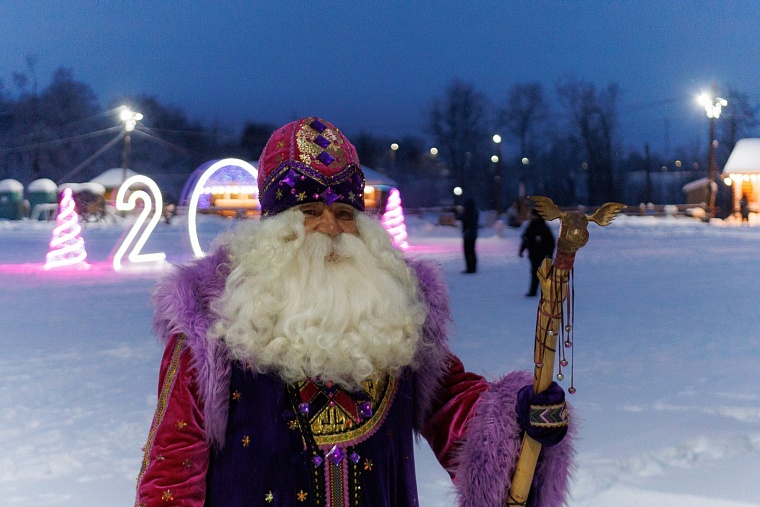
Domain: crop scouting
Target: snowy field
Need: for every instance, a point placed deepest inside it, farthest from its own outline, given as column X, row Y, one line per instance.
column 667, row 359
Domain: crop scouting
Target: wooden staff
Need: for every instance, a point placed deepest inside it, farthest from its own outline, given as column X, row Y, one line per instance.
column 573, row 234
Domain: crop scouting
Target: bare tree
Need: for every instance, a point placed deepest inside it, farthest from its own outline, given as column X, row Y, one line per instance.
column 47, row 131
column 738, row 119
column 524, row 116
column 593, row 114
column 64, row 107
column 254, row 137
column 459, row 126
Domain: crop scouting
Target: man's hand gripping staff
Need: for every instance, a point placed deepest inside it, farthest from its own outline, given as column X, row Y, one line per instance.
column 543, row 415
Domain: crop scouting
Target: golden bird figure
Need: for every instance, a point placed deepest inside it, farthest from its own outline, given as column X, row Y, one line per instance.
column 573, row 229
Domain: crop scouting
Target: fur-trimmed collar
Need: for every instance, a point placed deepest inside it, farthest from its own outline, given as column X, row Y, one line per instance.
column 182, row 301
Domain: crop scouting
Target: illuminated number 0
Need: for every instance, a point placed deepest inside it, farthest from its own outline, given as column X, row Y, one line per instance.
column 192, row 208
column 123, row 205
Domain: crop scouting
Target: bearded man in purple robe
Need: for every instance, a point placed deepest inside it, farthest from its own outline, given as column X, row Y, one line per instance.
column 305, row 353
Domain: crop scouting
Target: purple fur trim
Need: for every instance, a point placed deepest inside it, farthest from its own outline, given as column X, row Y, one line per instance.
column 182, row 302
column 487, row 458
column 182, row 305
column 432, row 353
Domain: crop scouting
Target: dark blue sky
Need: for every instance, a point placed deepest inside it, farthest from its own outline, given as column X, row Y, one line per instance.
column 377, row 65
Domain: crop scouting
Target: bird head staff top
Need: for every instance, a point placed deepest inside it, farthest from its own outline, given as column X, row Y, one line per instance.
column 573, row 229
column 554, row 325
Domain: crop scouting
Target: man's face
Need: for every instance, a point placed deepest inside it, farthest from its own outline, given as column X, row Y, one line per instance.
column 332, row 220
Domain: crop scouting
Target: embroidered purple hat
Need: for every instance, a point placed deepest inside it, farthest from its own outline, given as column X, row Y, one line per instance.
column 305, row 161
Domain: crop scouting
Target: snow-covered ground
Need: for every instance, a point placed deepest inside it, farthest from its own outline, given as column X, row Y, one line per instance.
column 667, row 359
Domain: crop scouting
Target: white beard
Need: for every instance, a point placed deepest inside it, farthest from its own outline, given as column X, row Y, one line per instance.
column 307, row 305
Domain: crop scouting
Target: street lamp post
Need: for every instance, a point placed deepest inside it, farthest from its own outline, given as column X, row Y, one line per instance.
column 130, row 119
column 497, row 174
column 394, row 149
column 713, row 106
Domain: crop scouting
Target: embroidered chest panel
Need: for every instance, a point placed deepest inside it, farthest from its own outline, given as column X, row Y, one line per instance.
column 313, row 444
column 336, row 416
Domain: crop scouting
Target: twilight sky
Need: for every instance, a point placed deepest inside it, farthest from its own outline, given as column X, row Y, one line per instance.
column 376, row 66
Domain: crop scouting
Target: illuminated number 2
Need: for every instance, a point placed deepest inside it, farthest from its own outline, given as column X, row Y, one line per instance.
column 123, row 205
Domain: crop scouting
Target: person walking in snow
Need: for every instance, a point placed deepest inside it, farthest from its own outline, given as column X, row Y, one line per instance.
column 304, row 354
column 539, row 241
column 469, row 216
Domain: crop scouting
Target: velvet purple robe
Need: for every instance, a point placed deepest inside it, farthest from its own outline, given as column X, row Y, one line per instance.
column 192, row 444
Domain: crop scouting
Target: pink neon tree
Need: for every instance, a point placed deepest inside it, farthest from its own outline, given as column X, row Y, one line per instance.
column 393, row 220
column 66, row 243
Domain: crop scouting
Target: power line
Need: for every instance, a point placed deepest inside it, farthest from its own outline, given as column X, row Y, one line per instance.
column 58, row 127
column 147, row 133
column 60, row 141
column 92, row 157
column 199, row 133
column 661, row 102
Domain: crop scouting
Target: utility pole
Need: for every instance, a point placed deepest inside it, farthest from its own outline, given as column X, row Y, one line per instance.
column 647, row 171
column 130, row 119
column 713, row 106
column 497, row 174
column 125, row 156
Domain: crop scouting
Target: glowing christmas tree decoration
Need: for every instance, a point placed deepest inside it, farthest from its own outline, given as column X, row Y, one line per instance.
column 200, row 189
column 66, row 243
column 123, row 205
column 393, row 220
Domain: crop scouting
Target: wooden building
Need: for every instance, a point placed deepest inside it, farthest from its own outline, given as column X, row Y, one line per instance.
column 742, row 172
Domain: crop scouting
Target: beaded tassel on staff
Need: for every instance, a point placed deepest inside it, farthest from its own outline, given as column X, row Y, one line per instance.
column 552, row 322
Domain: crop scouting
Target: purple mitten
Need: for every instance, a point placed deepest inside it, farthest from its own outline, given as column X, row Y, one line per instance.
column 544, row 417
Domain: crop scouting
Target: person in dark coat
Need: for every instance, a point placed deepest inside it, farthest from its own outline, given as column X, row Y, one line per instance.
column 469, row 217
column 744, row 208
column 538, row 240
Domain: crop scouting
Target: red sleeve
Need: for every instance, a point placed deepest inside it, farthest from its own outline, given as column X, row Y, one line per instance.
column 445, row 429
column 176, row 455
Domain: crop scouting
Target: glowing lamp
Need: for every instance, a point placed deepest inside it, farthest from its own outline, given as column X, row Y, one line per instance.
column 66, row 243
column 129, row 118
column 393, row 220
column 713, row 106
column 457, row 190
